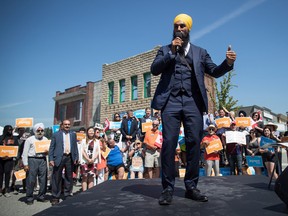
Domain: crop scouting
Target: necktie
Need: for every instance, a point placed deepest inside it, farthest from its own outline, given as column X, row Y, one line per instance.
column 67, row 143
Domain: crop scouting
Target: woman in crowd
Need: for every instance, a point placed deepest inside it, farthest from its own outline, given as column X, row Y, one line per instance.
column 102, row 170
column 257, row 123
column 90, row 158
column 268, row 156
column 253, row 149
column 6, row 163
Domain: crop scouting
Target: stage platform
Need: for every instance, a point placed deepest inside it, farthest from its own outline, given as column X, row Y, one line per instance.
column 228, row 195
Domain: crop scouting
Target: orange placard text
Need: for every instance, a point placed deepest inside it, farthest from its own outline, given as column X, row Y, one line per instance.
column 223, row 122
column 8, row 151
column 42, row 146
column 214, row 145
column 24, row 122
column 243, row 121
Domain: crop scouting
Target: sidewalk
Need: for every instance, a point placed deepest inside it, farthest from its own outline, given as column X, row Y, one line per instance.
column 15, row 205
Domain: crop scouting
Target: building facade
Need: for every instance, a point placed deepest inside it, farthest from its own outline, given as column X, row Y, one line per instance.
column 80, row 104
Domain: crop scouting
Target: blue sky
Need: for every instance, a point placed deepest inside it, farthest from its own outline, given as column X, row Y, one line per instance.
column 48, row 46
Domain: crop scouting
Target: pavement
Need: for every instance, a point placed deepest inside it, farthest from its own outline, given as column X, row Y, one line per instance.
column 15, row 205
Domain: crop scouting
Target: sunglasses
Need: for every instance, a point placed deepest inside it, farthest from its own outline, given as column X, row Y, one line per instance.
column 39, row 131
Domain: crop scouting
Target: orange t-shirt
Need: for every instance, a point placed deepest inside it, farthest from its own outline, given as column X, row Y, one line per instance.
column 212, row 156
column 150, row 138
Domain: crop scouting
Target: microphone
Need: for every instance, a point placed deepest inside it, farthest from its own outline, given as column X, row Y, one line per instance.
column 180, row 35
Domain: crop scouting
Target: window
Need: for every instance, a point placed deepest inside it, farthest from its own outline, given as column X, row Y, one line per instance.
column 111, row 93
column 147, row 85
column 78, row 110
column 122, row 90
column 134, row 88
column 62, row 112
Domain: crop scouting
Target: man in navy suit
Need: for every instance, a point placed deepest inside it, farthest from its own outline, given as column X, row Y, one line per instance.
column 63, row 153
column 181, row 97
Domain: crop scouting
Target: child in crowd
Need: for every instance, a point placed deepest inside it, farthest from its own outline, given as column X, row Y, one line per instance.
column 136, row 155
column 212, row 159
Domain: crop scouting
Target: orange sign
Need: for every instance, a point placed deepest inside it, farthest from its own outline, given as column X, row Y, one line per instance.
column 105, row 153
column 223, row 122
column 8, row 151
column 42, row 146
column 243, row 121
column 20, row 175
column 214, row 145
column 80, row 136
column 146, row 126
column 24, row 122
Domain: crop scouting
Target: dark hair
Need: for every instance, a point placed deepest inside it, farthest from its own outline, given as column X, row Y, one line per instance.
column 243, row 112
column 256, row 113
column 82, row 129
column 5, row 133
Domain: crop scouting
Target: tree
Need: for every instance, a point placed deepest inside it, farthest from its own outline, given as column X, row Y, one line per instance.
column 223, row 99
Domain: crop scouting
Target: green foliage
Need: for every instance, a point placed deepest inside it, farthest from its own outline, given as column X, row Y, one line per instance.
column 223, row 99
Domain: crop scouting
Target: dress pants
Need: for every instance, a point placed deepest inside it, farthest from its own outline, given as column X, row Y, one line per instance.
column 37, row 167
column 66, row 163
column 186, row 109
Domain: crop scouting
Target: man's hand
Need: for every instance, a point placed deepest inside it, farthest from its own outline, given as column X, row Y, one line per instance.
column 26, row 168
column 51, row 163
column 176, row 42
column 230, row 56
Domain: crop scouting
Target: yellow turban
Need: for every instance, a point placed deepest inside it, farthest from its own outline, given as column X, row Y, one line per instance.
column 184, row 18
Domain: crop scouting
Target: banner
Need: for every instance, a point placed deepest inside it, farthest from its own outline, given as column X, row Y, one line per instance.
column 255, row 161
column 115, row 125
column 146, row 126
column 24, row 122
column 223, row 122
column 235, row 137
column 214, row 145
column 266, row 142
column 243, row 121
column 42, row 146
column 8, row 151
column 20, row 175
column 139, row 113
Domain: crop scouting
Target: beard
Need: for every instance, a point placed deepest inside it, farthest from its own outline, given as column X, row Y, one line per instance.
column 185, row 38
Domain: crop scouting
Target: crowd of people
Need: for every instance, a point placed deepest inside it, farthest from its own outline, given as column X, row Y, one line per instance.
column 127, row 150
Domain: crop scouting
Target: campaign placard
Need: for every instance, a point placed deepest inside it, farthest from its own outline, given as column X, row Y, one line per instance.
column 42, row 146
column 223, row 122
column 255, row 161
column 137, row 162
column 235, row 137
column 266, row 142
column 24, row 122
column 8, row 151
column 80, row 136
column 243, row 121
column 214, row 145
column 115, row 125
column 20, row 175
column 55, row 128
column 146, row 126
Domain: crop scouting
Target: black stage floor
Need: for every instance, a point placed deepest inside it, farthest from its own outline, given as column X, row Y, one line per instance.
column 228, row 195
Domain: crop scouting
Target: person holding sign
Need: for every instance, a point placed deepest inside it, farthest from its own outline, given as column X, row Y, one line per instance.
column 182, row 97
column 234, row 149
column 152, row 151
column 35, row 165
column 213, row 145
column 136, row 155
column 253, row 149
column 268, row 156
column 6, row 160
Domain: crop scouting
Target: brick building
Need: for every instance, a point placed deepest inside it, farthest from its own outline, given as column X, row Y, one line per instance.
column 79, row 104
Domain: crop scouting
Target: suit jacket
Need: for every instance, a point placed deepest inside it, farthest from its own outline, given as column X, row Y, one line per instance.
column 164, row 64
column 56, row 149
column 133, row 129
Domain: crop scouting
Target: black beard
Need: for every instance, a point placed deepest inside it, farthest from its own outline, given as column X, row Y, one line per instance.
column 185, row 38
